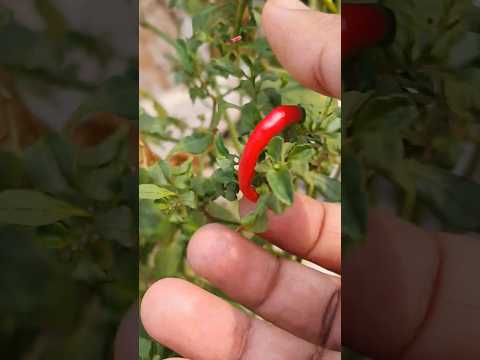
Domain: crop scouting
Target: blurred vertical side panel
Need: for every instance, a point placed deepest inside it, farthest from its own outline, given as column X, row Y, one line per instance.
column 411, row 179
column 68, row 179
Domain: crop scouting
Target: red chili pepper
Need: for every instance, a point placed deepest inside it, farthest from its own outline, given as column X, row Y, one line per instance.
column 272, row 125
column 364, row 26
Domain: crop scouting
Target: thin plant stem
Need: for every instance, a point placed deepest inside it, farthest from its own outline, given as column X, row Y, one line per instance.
column 233, row 133
column 242, row 5
column 163, row 35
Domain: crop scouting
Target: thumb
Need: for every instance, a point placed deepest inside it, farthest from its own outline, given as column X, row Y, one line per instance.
column 306, row 42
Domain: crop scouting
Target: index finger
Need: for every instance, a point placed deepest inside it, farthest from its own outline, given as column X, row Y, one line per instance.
column 309, row 229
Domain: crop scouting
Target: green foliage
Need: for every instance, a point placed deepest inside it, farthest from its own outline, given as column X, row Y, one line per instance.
column 68, row 223
column 196, row 183
column 408, row 108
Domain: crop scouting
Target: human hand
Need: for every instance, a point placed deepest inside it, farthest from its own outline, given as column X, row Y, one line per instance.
column 302, row 304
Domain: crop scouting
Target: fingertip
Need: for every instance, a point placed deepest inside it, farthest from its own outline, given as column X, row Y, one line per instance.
column 209, row 248
column 157, row 303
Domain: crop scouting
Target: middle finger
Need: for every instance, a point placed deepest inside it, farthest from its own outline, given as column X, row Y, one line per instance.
column 298, row 299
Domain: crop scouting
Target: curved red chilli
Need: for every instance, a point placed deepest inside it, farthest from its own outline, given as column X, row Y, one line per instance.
column 272, row 125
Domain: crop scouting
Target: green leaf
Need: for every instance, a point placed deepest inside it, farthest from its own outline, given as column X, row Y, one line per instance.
column 257, row 220
column 156, row 174
column 43, row 169
column 118, row 95
column 197, row 93
column 393, row 113
column 102, row 183
column 274, row 204
column 453, row 198
column 154, row 192
column 220, row 147
column 89, row 272
column 189, row 199
column 352, row 101
column 274, row 148
column 302, row 153
column 117, row 224
column 196, row 143
column 249, row 117
column 225, row 67
column 144, row 348
column 231, row 191
column 220, row 213
column 12, row 172
column 106, row 151
column 268, row 99
column 331, row 189
column 281, row 184
column 169, row 257
column 150, row 124
column 33, row 208
column 204, row 186
column 184, row 56
column 184, row 168
column 209, row 15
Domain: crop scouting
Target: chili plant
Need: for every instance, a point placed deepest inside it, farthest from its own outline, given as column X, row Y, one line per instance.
column 68, row 271
column 410, row 117
column 195, row 182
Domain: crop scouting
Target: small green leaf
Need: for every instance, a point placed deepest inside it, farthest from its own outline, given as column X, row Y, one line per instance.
column 12, row 170
column 268, row 99
column 231, row 191
column 184, row 56
column 33, row 208
column 221, row 213
column 169, row 256
column 220, row 147
column 117, row 224
column 106, row 151
column 302, row 153
column 196, row 143
column 281, row 184
column 249, row 117
column 183, row 168
column 100, row 184
column 257, row 220
column 89, row 272
column 207, row 17
column 189, row 199
column 330, row 188
column 453, row 198
column 43, row 169
column 144, row 348
column 150, row 124
column 274, row 148
column 154, row 192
